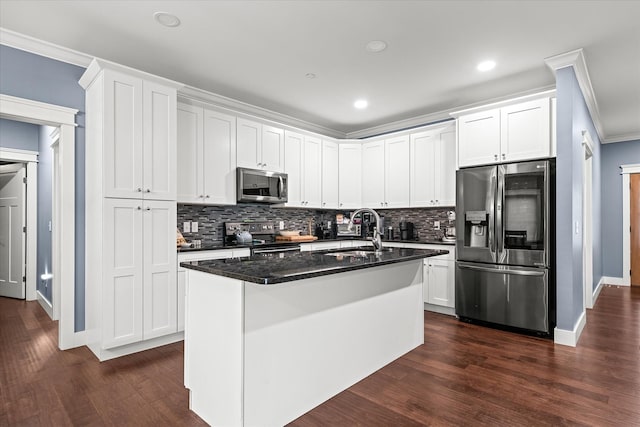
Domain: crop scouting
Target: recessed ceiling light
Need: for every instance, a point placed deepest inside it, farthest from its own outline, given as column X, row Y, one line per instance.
column 361, row 104
column 310, row 76
column 375, row 46
column 166, row 19
column 486, row 65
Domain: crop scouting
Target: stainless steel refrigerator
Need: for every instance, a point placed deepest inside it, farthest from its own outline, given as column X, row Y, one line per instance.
column 504, row 244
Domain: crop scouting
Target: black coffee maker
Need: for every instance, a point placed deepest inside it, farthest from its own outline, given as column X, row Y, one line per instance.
column 406, row 231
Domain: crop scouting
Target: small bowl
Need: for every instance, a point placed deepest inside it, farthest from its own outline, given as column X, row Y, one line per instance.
column 286, row 233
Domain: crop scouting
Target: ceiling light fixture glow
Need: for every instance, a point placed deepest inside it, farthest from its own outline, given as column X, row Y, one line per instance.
column 361, row 104
column 166, row 19
column 375, row 46
column 310, row 75
column 486, row 65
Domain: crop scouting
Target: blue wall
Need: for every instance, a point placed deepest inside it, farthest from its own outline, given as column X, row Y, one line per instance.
column 34, row 77
column 614, row 155
column 23, row 136
column 45, row 208
column 573, row 118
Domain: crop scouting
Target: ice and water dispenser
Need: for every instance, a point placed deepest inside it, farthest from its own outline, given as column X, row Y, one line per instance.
column 475, row 229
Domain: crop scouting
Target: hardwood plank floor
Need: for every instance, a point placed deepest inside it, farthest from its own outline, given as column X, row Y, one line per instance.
column 463, row 375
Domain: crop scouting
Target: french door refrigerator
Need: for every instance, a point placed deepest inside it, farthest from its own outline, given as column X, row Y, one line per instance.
column 504, row 243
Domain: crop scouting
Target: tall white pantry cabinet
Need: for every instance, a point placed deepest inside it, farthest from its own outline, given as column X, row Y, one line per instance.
column 131, row 285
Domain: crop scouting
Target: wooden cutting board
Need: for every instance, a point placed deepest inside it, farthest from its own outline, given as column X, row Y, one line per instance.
column 296, row 238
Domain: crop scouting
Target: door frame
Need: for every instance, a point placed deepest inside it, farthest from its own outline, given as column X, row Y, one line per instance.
column 40, row 113
column 30, row 159
column 626, row 220
column 587, row 219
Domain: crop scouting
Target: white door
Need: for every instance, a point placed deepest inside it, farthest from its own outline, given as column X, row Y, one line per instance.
column 422, row 166
column 249, row 144
column 189, row 156
column 525, row 131
column 373, row 174
column 479, row 138
column 350, row 174
column 272, row 148
column 445, row 175
column 293, row 167
column 218, row 163
column 312, row 173
column 329, row 174
column 12, row 236
column 396, row 172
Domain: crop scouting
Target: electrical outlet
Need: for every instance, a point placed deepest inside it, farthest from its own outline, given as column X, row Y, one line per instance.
column 194, row 226
column 436, row 225
column 186, row 227
column 281, row 225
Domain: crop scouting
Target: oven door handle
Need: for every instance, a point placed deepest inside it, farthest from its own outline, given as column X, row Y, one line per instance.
column 272, row 250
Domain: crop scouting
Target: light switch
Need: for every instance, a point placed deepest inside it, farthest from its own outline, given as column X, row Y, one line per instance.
column 186, row 227
column 436, row 225
column 194, row 226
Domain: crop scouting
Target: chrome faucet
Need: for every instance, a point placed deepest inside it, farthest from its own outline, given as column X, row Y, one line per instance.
column 377, row 232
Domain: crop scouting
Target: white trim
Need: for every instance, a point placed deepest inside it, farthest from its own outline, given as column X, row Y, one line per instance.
column 43, row 48
column 597, row 290
column 575, row 59
column 40, row 113
column 45, row 304
column 626, row 220
column 621, row 138
column 97, row 65
column 16, row 155
column 587, row 219
column 32, row 231
column 45, row 114
column 570, row 338
column 616, row 281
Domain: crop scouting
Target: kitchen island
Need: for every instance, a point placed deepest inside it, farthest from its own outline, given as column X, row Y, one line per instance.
column 268, row 338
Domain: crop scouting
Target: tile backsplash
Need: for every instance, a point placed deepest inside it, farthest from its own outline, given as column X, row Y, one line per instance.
column 212, row 218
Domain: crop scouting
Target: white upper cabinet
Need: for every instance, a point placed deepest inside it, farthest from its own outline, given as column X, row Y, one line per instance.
column 510, row 133
column 259, row 146
column 350, row 175
column 373, row 174
column 396, row 172
column 330, row 176
column 525, row 131
column 206, row 156
column 479, row 138
column 432, row 167
column 293, row 166
column 139, row 139
column 312, row 172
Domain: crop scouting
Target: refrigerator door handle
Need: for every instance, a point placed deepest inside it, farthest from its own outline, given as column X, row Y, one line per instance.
column 500, row 252
column 502, row 270
column 492, row 203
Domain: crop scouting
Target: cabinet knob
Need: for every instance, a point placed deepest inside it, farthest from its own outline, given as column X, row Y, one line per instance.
column 495, row 157
column 148, row 190
column 207, row 196
column 324, row 204
column 503, row 156
column 340, row 204
column 201, row 196
column 148, row 208
column 386, row 204
column 139, row 190
column 139, row 208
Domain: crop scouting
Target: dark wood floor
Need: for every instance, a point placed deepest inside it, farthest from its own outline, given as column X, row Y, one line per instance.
column 463, row 375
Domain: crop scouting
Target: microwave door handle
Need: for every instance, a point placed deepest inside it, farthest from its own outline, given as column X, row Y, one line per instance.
column 280, row 186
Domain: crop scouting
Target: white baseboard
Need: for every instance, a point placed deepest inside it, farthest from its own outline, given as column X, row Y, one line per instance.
column 597, row 290
column 108, row 354
column 618, row 281
column 45, row 304
column 570, row 338
column 451, row 311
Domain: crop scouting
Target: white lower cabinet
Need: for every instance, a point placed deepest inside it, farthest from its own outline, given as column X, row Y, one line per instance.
column 440, row 283
column 139, row 272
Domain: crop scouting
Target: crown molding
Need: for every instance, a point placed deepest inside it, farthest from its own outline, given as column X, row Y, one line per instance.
column 575, row 59
column 621, row 138
column 253, row 111
column 43, row 48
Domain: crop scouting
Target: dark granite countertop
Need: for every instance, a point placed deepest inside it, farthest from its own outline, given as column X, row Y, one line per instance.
column 221, row 245
column 285, row 267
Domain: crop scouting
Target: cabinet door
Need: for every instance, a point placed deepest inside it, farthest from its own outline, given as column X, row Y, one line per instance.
column 445, row 169
column 160, row 260
column 312, row 172
column 218, row 165
column 350, row 173
column 249, row 144
column 159, row 136
column 293, row 166
column 479, row 138
column 123, row 272
column 396, row 172
column 330, row 159
column 373, row 172
column 123, row 146
column 272, row 148
column 189, row 156
column 441, row 283
column 525, row 131
column 422, row 166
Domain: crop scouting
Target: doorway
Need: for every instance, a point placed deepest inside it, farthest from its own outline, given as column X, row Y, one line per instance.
column 13, row 225
column 634, row 211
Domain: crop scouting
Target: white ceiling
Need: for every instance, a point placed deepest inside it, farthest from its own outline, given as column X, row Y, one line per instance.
column 259, row 52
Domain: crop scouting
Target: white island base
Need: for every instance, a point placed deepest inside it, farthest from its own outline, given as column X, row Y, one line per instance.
column 263, row 355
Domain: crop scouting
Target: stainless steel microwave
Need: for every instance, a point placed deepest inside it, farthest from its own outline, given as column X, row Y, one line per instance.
column 260, row 186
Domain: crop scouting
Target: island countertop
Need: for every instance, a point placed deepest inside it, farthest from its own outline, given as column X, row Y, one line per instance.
column 268, row 269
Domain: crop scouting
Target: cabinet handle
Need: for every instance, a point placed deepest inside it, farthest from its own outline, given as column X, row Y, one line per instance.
column 148, row 191
column 495, row 157
column 436, row 201
column 340, row 204
column 148, row 208
column 207, row 196
column 201, row 196
column 386, row 204
column 139, row 208
column 324, row 204
column 503, row 156
column 139, row 190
